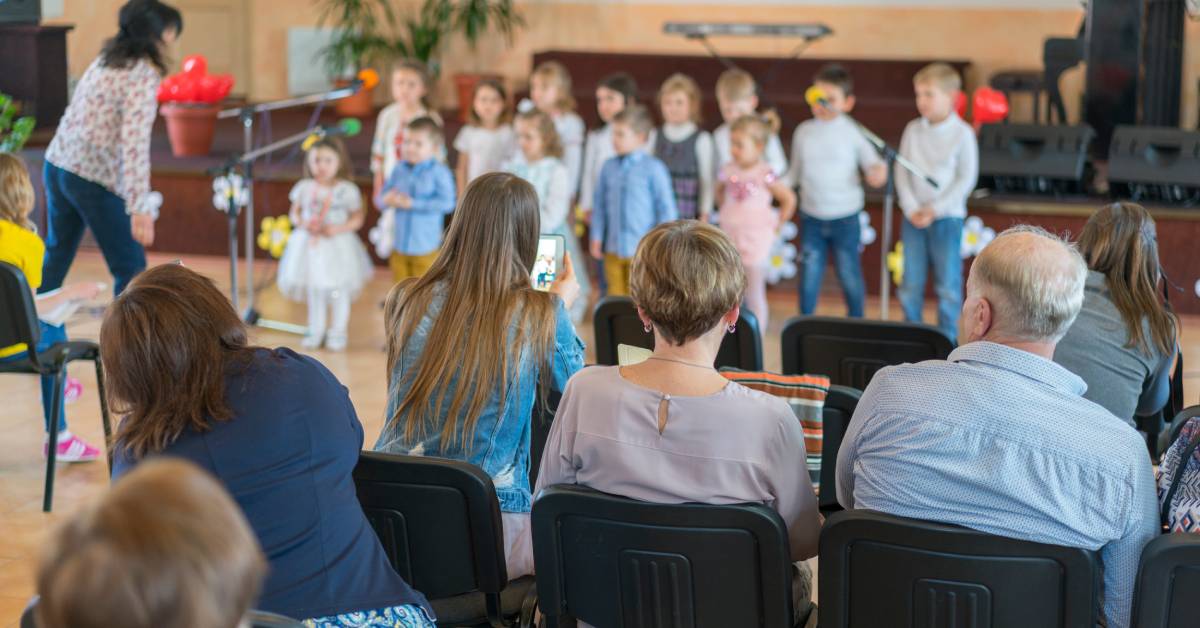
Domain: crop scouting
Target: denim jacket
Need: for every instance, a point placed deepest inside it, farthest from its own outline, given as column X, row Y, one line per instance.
column 501, row 442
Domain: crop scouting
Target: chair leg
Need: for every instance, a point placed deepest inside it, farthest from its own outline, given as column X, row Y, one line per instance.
column 108, row 444
column 60, row 377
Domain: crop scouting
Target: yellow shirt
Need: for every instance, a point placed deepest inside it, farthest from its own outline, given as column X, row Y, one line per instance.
column 24, row 249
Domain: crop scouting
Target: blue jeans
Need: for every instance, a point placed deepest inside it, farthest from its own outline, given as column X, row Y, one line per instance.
column 844, row 237
column 49, row 336
column 938, row 244
column 73, row 204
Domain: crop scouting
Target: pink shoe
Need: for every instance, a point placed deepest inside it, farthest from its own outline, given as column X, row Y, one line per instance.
column 73, row 449
column 73, row 390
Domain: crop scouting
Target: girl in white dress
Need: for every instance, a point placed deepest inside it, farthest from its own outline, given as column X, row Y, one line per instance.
column 485, row 143
column 325, row 262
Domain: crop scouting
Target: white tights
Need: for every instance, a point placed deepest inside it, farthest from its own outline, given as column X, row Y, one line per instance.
column 336, row 300
column 756, row 294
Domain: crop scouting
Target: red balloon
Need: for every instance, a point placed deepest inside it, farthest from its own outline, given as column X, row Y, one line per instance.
column 225, row 81
column 960, row 105
column 208, row 89
column 164, row 88
column 990, row 106
column 195, row 65
column 184, row 90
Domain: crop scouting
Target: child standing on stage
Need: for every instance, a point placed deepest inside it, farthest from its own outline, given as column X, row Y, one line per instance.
column 410, row 95
column 540, row 164
column 21, row 247
column 416, row 197
column 685, row 148
column 746, row 189
column 325, row 263
column 632, row 197
column 550, row 91
column 487, row 141
column 614, row 93
column 944, row 146
column 828, row 154
column 737, row 96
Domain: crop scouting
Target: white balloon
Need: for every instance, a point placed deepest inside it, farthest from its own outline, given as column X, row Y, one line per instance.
column 789, row 230
column 1198, row 287
column 788, row 251
column 869, row 235
column 974, row 223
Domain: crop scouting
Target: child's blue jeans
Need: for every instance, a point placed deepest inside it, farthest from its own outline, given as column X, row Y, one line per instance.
column 938, row 245
column 843, row 236
column 49, row 336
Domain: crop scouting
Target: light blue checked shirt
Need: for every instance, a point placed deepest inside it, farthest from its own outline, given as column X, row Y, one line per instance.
column 633, row 196
column 1001, row 441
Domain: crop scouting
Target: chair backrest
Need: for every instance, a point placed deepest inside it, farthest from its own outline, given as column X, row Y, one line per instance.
column 1168, row 579
column 840, row 404
column 256, row 619
column 851, row 350
column 1180, row 420
column 616, row 322
column 18, row 315
column 438, row 521
column 612, row 561
column 875, row 568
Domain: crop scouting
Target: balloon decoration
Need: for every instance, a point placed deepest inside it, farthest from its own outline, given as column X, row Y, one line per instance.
column 960, row 104
column 976, row 236
column 866, row 232
column 781, row 263
column 194, row 84
column 274, row 233
column 230, row 192
column 988, row 107
column 895, row 263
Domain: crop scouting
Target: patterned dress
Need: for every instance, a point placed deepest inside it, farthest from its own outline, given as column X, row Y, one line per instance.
column 746, row 212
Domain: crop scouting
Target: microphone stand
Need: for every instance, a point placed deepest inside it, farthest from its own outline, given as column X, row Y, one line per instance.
column 246, row 115
column 891, row 157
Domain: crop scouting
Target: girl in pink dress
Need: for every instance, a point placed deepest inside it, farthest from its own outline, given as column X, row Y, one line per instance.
column 747, row 187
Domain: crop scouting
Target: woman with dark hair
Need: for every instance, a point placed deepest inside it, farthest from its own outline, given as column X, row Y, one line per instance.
column 276, row 428
column 97, row 170
column 1123, row 343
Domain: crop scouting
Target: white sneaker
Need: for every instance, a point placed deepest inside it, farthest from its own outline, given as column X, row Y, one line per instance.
column 311, row 341
column 336, row 342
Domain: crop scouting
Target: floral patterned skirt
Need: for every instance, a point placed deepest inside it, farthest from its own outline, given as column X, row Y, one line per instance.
column 408, row 616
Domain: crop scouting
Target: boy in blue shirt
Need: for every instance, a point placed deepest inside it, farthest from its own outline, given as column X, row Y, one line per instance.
column 419, row 191
column 633, row 195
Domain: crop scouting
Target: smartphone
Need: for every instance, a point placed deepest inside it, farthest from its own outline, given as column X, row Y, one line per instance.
column 549, row 261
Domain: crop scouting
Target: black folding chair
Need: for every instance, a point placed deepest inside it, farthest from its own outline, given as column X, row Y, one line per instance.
column 1162, row 428
column 256, row 619
column 840, row 404
column 851, row 350
column 615, row 322
column 612, row 561
column 876, row 569
column 439, row 523
column 1168, row 579
column 19, row 325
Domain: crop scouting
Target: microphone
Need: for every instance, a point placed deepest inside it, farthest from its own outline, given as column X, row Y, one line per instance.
column 815, row 96
column 346, row 127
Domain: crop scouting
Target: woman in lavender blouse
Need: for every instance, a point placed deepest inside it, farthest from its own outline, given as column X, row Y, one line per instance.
column 672, row 429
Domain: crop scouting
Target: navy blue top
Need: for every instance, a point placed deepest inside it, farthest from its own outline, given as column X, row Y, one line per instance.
column 287, row 456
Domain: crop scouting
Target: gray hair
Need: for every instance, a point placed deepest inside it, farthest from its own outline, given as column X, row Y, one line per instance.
column 1034, row 281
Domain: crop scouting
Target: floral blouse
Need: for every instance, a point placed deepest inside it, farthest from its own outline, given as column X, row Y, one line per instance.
column 104, row 135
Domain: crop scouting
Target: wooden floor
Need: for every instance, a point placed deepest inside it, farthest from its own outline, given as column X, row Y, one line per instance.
column 361, row 368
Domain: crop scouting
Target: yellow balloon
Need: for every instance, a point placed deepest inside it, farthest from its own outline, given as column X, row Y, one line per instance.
column 895, row 263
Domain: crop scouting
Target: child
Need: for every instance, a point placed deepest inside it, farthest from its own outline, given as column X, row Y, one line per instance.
column 685, row 148
column 166, row 546
column 614, row 93
column 828, row 152
column 21, row 247
column 486, row 143
column 540, row 165
column 550, row 91
column 418, row 194
column 632, row 196
column 746, row 189
column 737, row 96
column 944, row 146
column 325, row 263
column 410, row 93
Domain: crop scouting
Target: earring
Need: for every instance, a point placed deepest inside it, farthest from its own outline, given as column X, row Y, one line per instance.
column 732, row 328
column 647, row 328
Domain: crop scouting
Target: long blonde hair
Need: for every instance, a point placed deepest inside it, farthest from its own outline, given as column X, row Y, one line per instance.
column 483, row 270
column 16, row 192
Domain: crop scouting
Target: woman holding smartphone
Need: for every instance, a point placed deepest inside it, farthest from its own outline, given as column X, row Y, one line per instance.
column 471, row 343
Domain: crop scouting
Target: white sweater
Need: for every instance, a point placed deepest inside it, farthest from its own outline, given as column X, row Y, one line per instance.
column 827, row 158
column 948, row 152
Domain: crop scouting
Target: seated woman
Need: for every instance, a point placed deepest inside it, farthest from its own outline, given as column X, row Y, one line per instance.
column 672, row 429
column 165, row 547
column 276, row 428
column 1123, row 342
column 471, row 343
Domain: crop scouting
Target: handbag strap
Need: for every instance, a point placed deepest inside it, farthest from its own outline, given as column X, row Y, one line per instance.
column 1184, row 460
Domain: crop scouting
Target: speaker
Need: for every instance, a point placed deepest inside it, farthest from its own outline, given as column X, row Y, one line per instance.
column 20, row 11
column 1034, row 159
column 1158, row 164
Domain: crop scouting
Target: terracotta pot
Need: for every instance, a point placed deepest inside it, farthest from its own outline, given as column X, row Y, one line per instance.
column 190, row 127
column 360, row 105
column 465, row 83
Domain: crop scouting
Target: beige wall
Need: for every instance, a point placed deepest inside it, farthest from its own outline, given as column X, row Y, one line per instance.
column 992, row 39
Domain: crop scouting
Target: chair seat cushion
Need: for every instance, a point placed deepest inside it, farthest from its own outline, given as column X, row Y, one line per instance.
column 76, row 350
column 470, row 609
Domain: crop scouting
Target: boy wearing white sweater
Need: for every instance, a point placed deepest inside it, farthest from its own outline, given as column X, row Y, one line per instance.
column 944, row 146
column 828, row 155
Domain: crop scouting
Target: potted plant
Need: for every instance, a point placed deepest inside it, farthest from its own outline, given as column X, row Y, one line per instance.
column 472, row 19
column 14, row 131
column 359, row 37
column 189, row 106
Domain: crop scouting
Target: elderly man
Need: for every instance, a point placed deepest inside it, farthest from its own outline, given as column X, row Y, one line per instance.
column 999, row 438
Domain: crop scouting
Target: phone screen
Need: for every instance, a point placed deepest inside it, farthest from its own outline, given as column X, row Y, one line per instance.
column 548, row 262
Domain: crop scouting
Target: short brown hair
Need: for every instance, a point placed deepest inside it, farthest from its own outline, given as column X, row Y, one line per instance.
column 838, row 76
column 167, row 343
column 623, row 83
column 686, row 84
column 736, row 84
column 422, row 72
column 941, row 75
column 496, row 86
column 428, row 126
column 551, row 142
column 166, row 546
column 557, row 72
column 637, row 117
column 685, row 276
